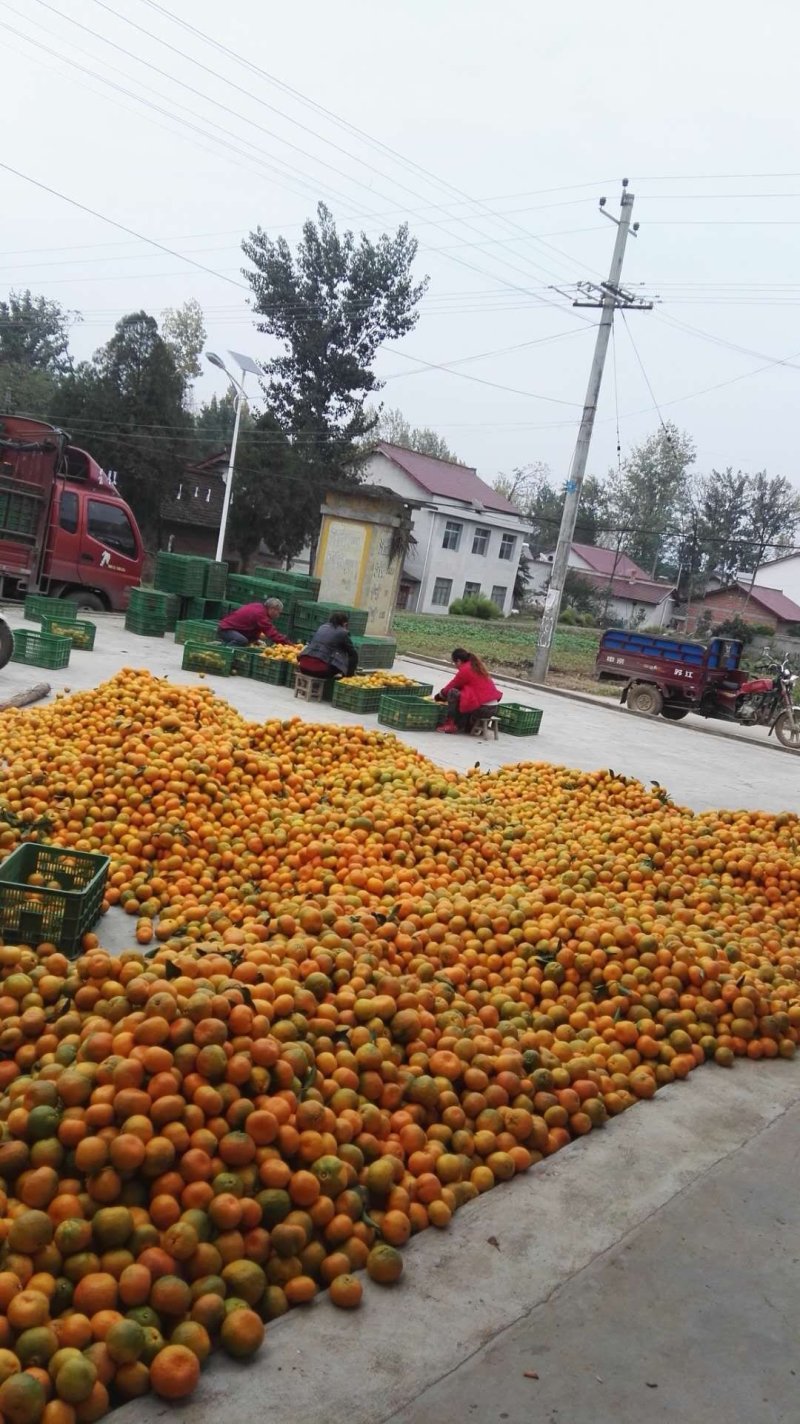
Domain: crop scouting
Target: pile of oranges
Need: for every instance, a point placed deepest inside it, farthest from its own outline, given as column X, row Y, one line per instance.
column 281, row 652
column 379, row 678
column 374, row 990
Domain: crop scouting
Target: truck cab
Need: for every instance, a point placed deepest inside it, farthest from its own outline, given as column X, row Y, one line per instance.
column 64, row 529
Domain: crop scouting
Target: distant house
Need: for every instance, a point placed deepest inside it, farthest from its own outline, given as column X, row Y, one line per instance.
column 191, row 510
column 767, row 607
column 468, row 539
column 625, row 590
column 782, row 573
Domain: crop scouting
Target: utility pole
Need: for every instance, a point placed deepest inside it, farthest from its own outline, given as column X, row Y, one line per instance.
column 607, row 296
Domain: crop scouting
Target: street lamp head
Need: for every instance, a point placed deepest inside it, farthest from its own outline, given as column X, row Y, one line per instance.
column 215, row 360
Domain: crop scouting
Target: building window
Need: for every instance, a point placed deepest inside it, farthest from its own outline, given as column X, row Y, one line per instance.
column 441, row 592
column 499, row 596
column 452, row 535
column 480, row 541
column 471, row 590
column 508, row 544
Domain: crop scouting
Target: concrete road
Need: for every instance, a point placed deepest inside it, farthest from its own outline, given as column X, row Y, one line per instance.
column 649, row 1271
column 700, row 770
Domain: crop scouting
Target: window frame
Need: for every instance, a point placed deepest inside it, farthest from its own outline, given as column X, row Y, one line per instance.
column 458, row 528
column 511, row 541
column 499, row 602
column 121, row 514
column 483, row 534
column 442, row 602
column 471, row 589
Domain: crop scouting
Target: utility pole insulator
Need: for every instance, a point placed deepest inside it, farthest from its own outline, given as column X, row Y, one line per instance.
column 610, row 295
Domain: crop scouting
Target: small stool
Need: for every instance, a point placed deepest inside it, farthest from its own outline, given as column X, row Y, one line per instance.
column 307, row 687
column 487, row 727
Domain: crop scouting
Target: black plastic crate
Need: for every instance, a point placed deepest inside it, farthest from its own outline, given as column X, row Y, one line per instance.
column 38, row 914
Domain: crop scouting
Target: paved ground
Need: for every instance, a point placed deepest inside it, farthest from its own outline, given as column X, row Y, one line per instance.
column 650, row 1271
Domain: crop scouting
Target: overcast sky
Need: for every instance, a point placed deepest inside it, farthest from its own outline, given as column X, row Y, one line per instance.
column 492, row 130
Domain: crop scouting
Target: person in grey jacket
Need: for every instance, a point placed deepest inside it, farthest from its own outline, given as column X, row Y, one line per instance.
column 330, row 653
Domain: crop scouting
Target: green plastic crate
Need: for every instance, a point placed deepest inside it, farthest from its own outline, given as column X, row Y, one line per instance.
column 81, row 633
column 154, row 603
column 375, row 652
column 414, row 689
column 180, row 573
column 309, row 615
column 356, row 699
column 208, row 657
column 37, row 914
column 40, row 649
column 409, row 713
column 38, row 604
column 518, row 720
column 274, row 670
column 195, row 630
column 304, row 585
column 19, row 513
column 216, row 577
column 242, row 661
column 144, row 625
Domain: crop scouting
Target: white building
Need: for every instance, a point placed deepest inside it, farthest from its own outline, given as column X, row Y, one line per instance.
column 626, row 591
column 782, row 573
column 469, row 538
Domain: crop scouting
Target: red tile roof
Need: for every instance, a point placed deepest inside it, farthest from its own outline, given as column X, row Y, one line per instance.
column 608, row 561
column 773, row 600
column 640, row 590
column 446, row 478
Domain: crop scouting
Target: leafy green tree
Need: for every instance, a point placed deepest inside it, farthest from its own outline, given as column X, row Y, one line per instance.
column 392, row 426
column 34, row 352
column 531, row 489
column 126, row 406
column 771, row 519
column 647, row 494
column 184, row 331
column 331, row 304
column 272, row 502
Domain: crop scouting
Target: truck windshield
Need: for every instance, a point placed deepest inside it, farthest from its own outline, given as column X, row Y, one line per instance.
column 112, row 527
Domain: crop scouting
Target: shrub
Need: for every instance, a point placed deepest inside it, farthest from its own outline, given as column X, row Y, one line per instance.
column 474, row 606
column 568, row 616
column 735, row 627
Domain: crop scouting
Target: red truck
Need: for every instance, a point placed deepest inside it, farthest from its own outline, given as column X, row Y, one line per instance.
column 64, row 530
column 670, row 677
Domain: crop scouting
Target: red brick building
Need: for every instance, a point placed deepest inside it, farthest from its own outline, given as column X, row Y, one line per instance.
column 765, row 607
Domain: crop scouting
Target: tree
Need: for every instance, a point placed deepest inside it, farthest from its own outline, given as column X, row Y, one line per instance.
column 392, row 426
column 331, row 304
column 531, row 489
column 213, row 424
column 647, row 494
column 771, row 519
column 126, row 405
column 34, row 351
column 272, row 501
column 184, row 332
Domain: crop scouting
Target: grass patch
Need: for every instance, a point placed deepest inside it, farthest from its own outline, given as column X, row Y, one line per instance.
column 507, row 646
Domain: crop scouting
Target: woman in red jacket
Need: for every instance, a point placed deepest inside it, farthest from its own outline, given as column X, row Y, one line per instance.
column 471, row 691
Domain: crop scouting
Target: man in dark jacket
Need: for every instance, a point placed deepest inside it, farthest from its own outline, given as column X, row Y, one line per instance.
column 330, row 653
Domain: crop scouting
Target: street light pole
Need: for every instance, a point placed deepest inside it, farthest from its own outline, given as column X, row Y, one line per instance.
column 240, row 401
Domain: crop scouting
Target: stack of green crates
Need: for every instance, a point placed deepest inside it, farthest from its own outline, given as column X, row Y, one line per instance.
column 151, row 612
column 375, row 652
column 180, row 573
column 304, row 585
column 37, row 605
column 80, row 631
column 245, row 588
column 195, row 630
column 40, row 649
column 308, row 616
column 216, row 578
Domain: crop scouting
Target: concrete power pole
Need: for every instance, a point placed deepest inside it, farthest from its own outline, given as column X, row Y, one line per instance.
column 608, row 296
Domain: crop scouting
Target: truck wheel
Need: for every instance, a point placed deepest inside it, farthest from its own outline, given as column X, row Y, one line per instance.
column 92, row 602
column 643, row 697
column 787, row 730
column 6, row 643
column 674, row 714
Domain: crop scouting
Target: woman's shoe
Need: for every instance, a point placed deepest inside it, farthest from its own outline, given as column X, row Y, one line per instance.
column 448, row 726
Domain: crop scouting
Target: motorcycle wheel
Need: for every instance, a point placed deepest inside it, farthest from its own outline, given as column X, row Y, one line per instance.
column 787, row 729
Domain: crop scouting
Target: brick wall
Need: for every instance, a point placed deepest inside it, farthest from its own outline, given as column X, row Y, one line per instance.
column 730, row 603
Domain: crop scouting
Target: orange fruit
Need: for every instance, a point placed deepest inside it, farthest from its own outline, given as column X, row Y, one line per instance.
column 174, row 1372
column 346, row 1291
column 242, row 1333
column 384, row 1264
